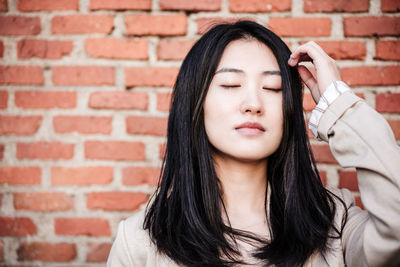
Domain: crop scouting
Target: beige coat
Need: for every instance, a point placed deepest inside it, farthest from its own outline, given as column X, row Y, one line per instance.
column 358, row 137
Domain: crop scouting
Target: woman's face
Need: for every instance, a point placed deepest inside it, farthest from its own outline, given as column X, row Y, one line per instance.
column 243, row 107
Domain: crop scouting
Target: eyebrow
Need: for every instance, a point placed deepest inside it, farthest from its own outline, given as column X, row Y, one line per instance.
column 267, row 72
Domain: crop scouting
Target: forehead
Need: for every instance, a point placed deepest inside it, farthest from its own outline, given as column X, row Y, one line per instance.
column 248, row 55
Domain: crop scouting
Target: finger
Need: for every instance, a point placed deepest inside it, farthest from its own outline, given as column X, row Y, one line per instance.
column 304, row 51
column 309, row 80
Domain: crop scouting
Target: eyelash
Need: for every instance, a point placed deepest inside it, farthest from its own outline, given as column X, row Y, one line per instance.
column 266, row 88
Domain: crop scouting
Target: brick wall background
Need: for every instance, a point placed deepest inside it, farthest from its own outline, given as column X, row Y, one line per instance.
column 84, row 96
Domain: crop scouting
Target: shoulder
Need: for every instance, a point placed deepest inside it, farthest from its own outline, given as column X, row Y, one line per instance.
column 137, row 238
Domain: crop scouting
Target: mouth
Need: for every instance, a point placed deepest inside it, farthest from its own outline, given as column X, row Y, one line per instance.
column 250, row 128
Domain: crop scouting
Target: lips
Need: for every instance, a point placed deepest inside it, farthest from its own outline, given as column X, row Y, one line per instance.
column 250, row 128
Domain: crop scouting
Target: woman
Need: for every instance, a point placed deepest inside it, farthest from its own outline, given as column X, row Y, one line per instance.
column 240, row 185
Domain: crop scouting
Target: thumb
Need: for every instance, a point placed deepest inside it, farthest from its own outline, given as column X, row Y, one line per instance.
column 309, row 80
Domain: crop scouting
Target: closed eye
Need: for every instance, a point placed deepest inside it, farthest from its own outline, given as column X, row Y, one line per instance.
column 230, row 85
column 273, row 89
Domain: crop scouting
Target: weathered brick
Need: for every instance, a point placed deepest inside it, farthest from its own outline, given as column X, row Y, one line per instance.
column 19, row 25
column 82, row 226
column 1, row 151
column 313, row 6
column 120, row 4
column 115, row 150
column 21, row 75
column 19, row 125
column 164, row 101
column 371, row 75
column 81, row 175
column 348, row 179
column 395, row 125
column 45, row 99
column 1, row 48
column 118, row 100
column 82, row 24
column 390, row 5
column 260, row 5
column 47, row 5
column 118, row 48
column 162, row 25
column 116, row 201
column 27, row 48
column 172, row 49
column 82, row 124
column 45, row 150
column 146, row 125
column 3, row 5
column 16, row 226
column 387, row 50
column 191, row 5
column 150, row 76
column 14, row 175
column 98, row 252
column 204, row 24
column 388, row 102
column 3, row 99
column 44, row 251
column 298, row 27
column 1, row 250
column 371, row 26
column 343, row 49
column 140, row 175
column 322, row 154
column 43, row 201
column 83, row 75
column 161, row 150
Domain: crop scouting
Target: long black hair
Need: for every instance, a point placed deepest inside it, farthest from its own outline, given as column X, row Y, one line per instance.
column 184, row 219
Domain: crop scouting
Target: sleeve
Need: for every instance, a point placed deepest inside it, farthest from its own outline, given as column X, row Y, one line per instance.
column 360, row 137
column 119, row 255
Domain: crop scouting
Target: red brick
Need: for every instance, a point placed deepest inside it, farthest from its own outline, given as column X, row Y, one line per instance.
column 191, row 5
column 388, row 102
column 140, row 175
column 44, row 251
column 387, row 50
column 395, row 125
column 259, row 5
column 322, row 154
column 82, row 226
column 371, row 75
column 343, row 49
column 21, row 75
column 20, row 175
column 47, row 5
column 19, row 125
column 115, row 150
column 1, row 48
column 163, row 25
column 146, row 125
column 81, row 175
column 359, row 202
column 82, row 124
column 83, row 75
column 348, row 179
column 1, row 151
column 161, row 150
column 336, row 6
column 118, row 48
column 298, row 27
column 118, row 100
column 43, row 49
column 171, row 49
column 81, row 24
column 204, row 24
column 120, row 4
column 42, row 201
column 16, row 226
column 324, row 177
column 390, row 5
column 19, row 25
column 308, row 102
column 3, row 99
column 3, row 5
column 1, row 251
column 163, row 101
column 45, row 150
column 116, row 201
column 371, row 26
column 150, row 76
column 45, row 99
column 98, row 252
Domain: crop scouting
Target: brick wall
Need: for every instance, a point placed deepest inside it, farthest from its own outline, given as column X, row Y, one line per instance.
column 84, row 95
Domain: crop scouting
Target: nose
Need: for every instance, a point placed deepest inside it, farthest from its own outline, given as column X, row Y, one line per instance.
column 252, row 103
